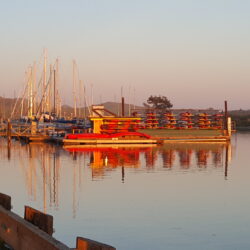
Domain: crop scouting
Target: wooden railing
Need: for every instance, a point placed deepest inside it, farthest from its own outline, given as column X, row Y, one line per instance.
column 35, row 230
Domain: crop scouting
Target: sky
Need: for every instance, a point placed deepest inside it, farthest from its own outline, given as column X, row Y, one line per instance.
column 195, row 52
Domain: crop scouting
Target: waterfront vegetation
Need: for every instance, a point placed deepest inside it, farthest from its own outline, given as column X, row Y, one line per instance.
column 241, row 119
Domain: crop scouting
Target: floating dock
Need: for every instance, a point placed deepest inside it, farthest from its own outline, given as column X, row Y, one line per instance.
column 64, row 141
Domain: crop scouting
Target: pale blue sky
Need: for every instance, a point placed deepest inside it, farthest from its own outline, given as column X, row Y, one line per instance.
column 195, row 52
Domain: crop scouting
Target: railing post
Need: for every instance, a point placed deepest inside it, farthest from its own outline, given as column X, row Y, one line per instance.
column 39, row 219
column 5, row 201
column 87, row 244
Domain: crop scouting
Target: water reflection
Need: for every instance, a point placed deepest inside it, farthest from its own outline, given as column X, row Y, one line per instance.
column 43, row 166
column 40, row 168
column 184, row 156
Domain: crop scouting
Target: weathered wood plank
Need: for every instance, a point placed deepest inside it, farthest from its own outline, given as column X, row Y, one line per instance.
column 22, row 235
column 87, row 244
column 5, row 201
column 39, row 219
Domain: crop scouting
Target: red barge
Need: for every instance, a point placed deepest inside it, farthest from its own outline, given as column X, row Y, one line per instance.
column 114, row 138
column 110, row 130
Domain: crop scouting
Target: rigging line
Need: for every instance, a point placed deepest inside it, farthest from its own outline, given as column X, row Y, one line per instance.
column 20, row 91
column 36, row 93
column 44, row 93
column 25, row 90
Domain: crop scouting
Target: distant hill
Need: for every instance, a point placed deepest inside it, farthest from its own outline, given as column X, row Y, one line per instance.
column 241, row 117
column 7, row 105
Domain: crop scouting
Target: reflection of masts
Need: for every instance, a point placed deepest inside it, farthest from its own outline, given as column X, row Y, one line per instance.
column 44, row 181
column 74, row 191
column 226, row 161
column 32, row 173
column 49, row 179
column 54, row 178
column 57, row 178
column 79, row 175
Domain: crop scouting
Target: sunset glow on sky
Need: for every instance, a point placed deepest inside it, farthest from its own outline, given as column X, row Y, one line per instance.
column 197, row 53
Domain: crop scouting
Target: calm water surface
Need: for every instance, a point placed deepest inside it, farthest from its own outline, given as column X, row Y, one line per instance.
column 176, row 196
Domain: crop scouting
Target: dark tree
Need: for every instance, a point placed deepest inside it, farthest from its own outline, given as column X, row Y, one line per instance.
column 160, row 103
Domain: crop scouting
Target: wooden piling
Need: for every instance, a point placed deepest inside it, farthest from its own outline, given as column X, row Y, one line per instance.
column 123, row 107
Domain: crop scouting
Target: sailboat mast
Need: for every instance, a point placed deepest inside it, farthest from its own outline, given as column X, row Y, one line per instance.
column 34, row 87
column 57, row 98
column 54, row 92
column 30, row 94
column 74, row 86
column 44, row 81
column 129, row 106
column 80, row 99
column 50, row 89
column 92, row 95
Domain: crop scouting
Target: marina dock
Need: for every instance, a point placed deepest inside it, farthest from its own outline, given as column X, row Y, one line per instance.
column 48, row 134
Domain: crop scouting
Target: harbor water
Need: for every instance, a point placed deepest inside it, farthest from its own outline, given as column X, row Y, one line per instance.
column 171, row 196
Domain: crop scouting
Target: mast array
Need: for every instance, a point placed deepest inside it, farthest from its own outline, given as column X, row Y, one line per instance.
column 40, row 97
